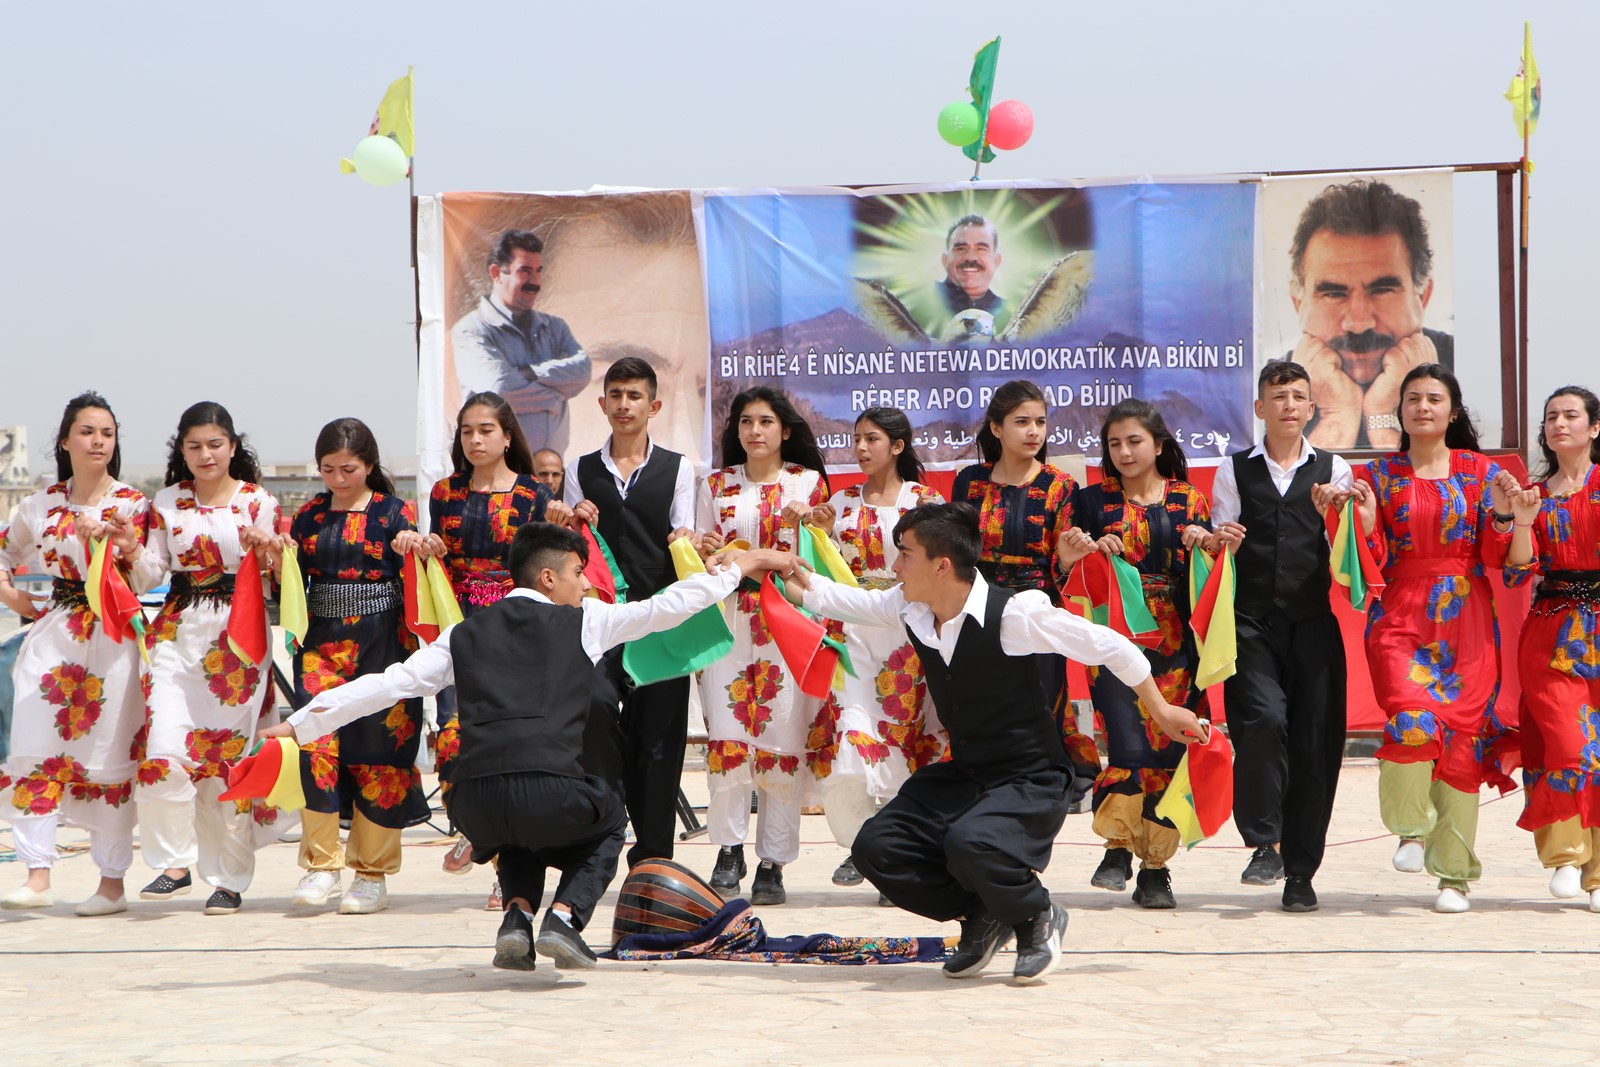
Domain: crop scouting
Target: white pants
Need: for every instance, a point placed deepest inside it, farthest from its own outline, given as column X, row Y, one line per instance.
column 848, row 805
column 35, row 838
column 777, row 822
column 199, row 831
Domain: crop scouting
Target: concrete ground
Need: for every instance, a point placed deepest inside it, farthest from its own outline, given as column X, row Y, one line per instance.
column 1375, row 977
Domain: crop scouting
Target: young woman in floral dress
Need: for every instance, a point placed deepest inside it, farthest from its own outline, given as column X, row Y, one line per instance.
column 78, row 701
column 881, row 727
column 351, row 540
column 757, row 719
column 204, row 700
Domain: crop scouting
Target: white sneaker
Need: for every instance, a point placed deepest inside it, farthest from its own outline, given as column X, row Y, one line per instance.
column 1408, row 857
column 1566, row 882
column 365, row 896
column 22, row 898
column 1452, row 901
column 1594, row 901
column 315, row 888
column 99, row 905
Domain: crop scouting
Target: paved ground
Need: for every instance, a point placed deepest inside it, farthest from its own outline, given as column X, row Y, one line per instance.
column 1375, row 977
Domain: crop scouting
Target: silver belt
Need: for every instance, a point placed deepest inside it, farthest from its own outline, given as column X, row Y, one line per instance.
column 342, row 600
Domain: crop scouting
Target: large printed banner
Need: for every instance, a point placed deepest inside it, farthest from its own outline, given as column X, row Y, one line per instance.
column 927, row 298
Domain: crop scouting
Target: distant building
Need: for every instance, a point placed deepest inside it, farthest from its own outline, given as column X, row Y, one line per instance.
column 15, row 484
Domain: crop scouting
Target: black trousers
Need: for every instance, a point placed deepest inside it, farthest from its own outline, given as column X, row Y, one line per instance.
column 950, row 847
column 655, row 726
column 536, row 821
column 1286, row 719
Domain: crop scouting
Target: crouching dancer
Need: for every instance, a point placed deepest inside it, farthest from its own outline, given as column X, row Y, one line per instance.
column 519, row 790
column 965, row 839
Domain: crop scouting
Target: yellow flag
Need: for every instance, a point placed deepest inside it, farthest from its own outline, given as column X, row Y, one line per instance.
column 393, row 119
column 685, row 560
column 446, row 609
column 287, row 794
column 292, row 615
column 1525, row 92
column 1219, row 651
column 825, row 556
column 1177, row 806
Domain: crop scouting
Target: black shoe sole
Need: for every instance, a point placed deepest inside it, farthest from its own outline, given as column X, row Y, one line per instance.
column 514, row 952
column 1056, row 942
column 765, row 899
column 857, row 880
column 1154, row 902
column 1115, row 881
column 1245, row 879
column 567, row 956
column 972, row 970
column 1300, row 907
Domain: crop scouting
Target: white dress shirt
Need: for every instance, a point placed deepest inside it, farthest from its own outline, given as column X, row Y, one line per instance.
column 1029, row 624
column 1225, row 506
column 432, row 668
column 682, row 514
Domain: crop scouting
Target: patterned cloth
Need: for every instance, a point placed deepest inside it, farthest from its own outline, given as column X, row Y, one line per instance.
column 1433, row 640
column 881, row 727
column 1558, row 661
column 735, row 934
column 759, row 722
column 78, row 703
column 369, row 765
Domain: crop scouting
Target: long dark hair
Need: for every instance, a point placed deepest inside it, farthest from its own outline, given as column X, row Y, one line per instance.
column 1170, row 460
column 1461, row 431
column 353, row 436
column 799, row 447
column 893, row 421
column 1591, row 406
column 518, row 456
column 1007, row 399
column 84, row 400
column 244, row 467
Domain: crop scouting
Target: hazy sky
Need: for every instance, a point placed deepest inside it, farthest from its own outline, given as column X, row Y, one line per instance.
column 176, row 229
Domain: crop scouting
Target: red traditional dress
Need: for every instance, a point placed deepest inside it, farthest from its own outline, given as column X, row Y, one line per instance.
column 1433, row 642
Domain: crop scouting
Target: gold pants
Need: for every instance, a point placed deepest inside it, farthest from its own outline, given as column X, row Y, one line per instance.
column 1120, row 820
column 1569, row 843
column 1444, row 818
column 372, row 851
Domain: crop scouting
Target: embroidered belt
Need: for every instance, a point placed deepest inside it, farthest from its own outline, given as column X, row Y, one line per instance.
column 481, row 592
column 187, row 590
column 343, row 600
column 69, row 594
column 878, row 583
column 1581, row 586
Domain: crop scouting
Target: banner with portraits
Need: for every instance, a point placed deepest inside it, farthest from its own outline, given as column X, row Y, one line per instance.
column 926, row 298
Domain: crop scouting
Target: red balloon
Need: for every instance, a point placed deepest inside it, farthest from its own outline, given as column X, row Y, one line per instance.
column 1010, row 125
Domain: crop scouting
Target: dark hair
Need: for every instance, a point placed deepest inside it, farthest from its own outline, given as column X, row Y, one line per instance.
column 1170, row 460
column 1591, row 406
column 630, row 369
column 512, row 241
column 537, row 545
column 243, row 466
column 1363, row 208
column 799, row 447
column 949, row 531
column 353, row 436
column 84, row 400
column 1461, row 431
column 973, row 220
column 1281, row 372
column 1008, row 398
column 518, row 458
column 893, row 421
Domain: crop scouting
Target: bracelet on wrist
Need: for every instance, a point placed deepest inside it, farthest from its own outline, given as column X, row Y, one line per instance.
column 1500, row 517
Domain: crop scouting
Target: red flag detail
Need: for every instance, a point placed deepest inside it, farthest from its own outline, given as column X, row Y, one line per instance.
column 117, row 601
column 799, row 641
column 253, row 777
column 598, row 569
column 247, row 618
column 413, row 580
column 1211, row 780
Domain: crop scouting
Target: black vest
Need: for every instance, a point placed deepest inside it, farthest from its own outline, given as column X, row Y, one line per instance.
column 992, row 704
column 523, row 687
column 636, row 528
column 1283, row 558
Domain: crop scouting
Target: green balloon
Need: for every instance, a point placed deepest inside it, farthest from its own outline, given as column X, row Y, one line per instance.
column 380, row 160
column 960, row 124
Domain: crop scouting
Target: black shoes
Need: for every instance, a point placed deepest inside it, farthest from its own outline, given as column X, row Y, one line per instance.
column 1154, row 889
column 981, row 938
column 562, row 942
column 846, row 873
column 729, row 870
column 767, row 886
column 222, row 902
column 513, row 945
column 1116, row 867
column 1039, row 942
column 1265, row 867
column 165, row 887
column 1298, row 894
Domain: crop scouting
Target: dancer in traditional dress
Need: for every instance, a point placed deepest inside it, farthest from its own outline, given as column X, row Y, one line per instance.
column 964, row 838
column 1556, row 535
column 1024, row 507
column 78, row 701
column 351, row 540
column 204, row 700
column 521, row 792
column 758, row 721
column 1438, row 513
column 885, row 727
column 1145, row 511
column 472, row 516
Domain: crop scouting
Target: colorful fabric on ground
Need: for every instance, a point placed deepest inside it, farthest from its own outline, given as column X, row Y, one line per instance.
column 292, row 600
column 270, row 773
column 1112, row 594
column 605, row 578
column 1211, row 589
column 688, row 647
column 1350, row 559
column 247, row 619
column 736, row 934
column 1200, row 798
column 111, row 599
